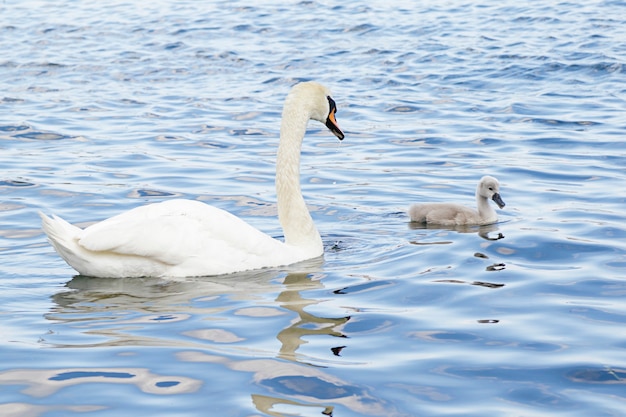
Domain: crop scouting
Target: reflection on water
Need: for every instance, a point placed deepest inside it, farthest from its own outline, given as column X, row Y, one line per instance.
column 306, row 324
column 482, row 231
column 144, row 102
column 196, row 311
column 41, row 383
column 302, row 384
column 45, row 382
column 32, row 410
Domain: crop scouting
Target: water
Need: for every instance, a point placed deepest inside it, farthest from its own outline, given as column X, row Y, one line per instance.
column 106, row 106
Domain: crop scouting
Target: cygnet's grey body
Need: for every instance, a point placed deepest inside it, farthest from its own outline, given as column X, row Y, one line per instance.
column 451, row 214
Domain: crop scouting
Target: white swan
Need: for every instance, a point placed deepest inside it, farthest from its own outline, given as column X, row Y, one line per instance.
column 449, row 214
column 179, row 238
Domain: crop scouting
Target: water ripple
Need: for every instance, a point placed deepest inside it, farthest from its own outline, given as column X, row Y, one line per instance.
column 141, row 103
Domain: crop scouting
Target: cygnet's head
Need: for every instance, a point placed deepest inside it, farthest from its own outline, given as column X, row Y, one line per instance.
column 489, row 187
column 322, row 106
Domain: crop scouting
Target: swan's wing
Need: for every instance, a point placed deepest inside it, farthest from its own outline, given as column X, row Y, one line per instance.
column 176, row 230
column 443, row 214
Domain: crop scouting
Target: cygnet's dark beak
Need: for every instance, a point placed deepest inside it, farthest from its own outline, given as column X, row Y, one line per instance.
column 331, row 122
column 498, row 200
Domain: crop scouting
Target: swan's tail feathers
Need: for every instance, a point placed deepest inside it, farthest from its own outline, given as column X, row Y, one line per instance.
column 58, row 230
column 62, row 235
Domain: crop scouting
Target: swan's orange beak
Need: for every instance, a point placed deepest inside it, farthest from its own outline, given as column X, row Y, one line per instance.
column 331, row 123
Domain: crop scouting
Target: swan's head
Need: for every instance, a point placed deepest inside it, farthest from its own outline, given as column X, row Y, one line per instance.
column 489, row 187
column 320, row 104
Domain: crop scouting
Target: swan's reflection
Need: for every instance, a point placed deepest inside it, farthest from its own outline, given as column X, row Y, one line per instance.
column 120, row 310
column 482, row 231
column 308, row 324
column 154, row 299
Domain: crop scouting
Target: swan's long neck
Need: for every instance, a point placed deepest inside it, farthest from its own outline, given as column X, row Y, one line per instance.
column 485, row 210
column 293, row 214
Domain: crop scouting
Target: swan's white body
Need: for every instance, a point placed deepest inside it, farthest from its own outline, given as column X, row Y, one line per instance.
column 450, row 214
column 180, row 238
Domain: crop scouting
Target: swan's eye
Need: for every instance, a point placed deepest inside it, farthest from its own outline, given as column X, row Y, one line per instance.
column 331, row 103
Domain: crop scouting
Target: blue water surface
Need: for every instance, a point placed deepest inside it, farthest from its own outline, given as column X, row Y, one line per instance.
column 105, row 106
